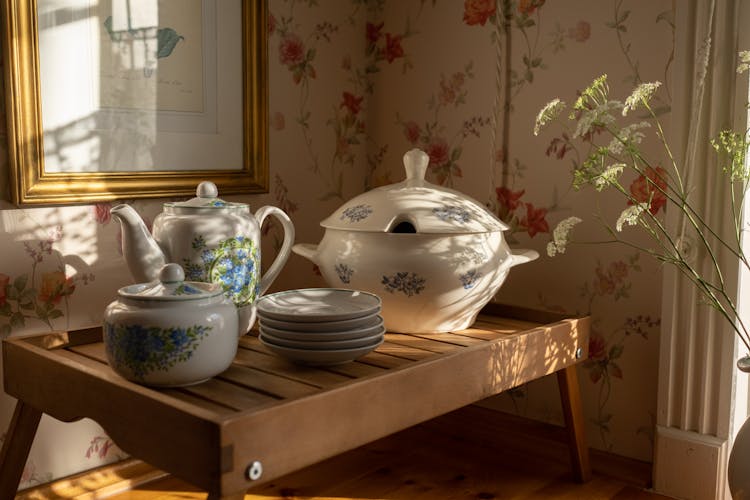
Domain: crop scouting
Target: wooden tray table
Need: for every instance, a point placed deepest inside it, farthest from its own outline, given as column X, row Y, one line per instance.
column 265, row 417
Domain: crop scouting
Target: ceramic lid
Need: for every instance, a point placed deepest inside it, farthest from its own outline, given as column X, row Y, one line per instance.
column 171, row 287
column 414, row 206
column 206, row 197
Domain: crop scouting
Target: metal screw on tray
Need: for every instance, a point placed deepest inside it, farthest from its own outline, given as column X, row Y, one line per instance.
column 254, row 471
column 579, row 352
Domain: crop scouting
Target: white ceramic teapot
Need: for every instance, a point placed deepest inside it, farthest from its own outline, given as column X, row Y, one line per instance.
column 212, row 239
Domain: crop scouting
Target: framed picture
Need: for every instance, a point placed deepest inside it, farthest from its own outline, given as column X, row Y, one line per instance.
column 109, row 99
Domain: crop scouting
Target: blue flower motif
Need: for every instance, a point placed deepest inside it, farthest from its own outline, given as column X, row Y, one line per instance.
column 470, row 278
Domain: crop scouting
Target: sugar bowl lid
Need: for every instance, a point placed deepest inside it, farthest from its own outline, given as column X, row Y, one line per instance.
column 206, row 197
column 414, row 206
column 171, row 286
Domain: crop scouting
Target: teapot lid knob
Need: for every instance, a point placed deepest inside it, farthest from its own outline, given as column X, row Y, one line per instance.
column 207, row 189
column 172, row 273
column 415, row 163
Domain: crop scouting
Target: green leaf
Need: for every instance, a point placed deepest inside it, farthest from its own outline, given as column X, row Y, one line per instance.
column 26, row 306
column 166, row 41
column 456, row 153
column 20, row 282
column 12, row 293
column 616, row 351
column 5, row 309
column 55, row 313
column 624, row 17
column 27, row 297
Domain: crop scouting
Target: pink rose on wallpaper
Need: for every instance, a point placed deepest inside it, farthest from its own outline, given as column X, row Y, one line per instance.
column 450, row 89
column 278, row 122
column 581, row 32
column 291, row 50
column 352, row 103
column 393, row 48
column 618, row 270
column 101, row 213
column 529, row 6
column 535, row 220
column 271, row 24
column 438, row 151
column 604, row 283
column 650, row 187
column 509, row 200
column 372, row 33
column 478, row 11
column 412, row 132
column 55, row 286
column 4, row 280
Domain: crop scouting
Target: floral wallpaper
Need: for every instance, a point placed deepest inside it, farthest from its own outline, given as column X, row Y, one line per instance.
column 353, row 85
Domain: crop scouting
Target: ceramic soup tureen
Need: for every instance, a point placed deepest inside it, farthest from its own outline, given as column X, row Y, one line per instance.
column 433, row 255
column 212, row 239
column 170, row 332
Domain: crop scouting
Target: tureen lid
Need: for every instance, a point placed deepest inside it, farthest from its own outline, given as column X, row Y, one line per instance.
column 206, row 197
column 414, row 206
column 171, row 286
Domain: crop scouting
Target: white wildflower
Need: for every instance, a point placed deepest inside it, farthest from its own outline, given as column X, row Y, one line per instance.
column 548, row 113
column 560, row 236
column 629, row 134
column 630, row 215
column 597, row 116
column 744, row 61
column 609, row 176
column 642, row 94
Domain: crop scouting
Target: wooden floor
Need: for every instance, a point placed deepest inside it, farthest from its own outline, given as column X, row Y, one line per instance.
column 473, row 453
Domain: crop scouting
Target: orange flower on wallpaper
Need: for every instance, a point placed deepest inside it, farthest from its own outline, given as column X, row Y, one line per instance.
column 438, row 150
column 393, row 48
column 291, row 50
column 412, row 132
column 529, row 6
column 648, row 187
column 535, row 220
column 509, row 200
column 55, row 286
column 580, row 32
column 351, row 103
column 478, row 11
column 4, row 280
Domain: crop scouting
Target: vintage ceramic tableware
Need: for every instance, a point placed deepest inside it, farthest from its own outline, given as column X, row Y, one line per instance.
column 323, row 344
column 433, row 255
column 170, row 332
column 214, row 240
column 318, row 304
column 323, row 326
column 352, row 333
column 320, row 357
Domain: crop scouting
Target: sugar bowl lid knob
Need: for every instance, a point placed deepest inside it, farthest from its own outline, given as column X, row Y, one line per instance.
column 171, row 273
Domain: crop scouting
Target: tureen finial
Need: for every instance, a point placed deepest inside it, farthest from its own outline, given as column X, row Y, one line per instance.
column 415, row 162
column 171, row 273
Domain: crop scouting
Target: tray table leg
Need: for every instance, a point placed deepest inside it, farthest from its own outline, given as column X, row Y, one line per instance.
column 16, row 447
column 570, row 395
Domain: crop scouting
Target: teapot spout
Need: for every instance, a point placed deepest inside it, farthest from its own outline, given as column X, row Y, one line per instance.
column 143, row 255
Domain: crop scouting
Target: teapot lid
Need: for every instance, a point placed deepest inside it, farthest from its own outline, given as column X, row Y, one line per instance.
column 171, row 286
column 414, row 206
column 206, row 197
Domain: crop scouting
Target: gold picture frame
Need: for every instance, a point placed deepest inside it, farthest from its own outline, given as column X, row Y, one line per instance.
column 32, row 183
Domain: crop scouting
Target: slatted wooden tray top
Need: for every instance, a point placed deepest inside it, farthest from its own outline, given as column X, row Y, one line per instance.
column 265, row 413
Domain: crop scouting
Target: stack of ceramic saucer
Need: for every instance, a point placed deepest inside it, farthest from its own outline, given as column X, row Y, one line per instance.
column 320, row 326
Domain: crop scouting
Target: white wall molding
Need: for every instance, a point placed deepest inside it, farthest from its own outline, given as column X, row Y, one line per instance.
column 690, row 465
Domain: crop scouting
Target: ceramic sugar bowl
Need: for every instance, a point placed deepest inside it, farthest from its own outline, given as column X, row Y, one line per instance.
column 170, row 332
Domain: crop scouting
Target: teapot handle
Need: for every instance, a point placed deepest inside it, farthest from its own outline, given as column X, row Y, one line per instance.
column 286, row 247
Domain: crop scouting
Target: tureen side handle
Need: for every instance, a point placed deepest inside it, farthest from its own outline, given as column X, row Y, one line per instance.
column 286, row 247
column 522, row 255
column 307, row 250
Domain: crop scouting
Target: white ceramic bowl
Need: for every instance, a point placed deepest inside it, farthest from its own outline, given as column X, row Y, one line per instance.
column 320, row 357
column 322, row 344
